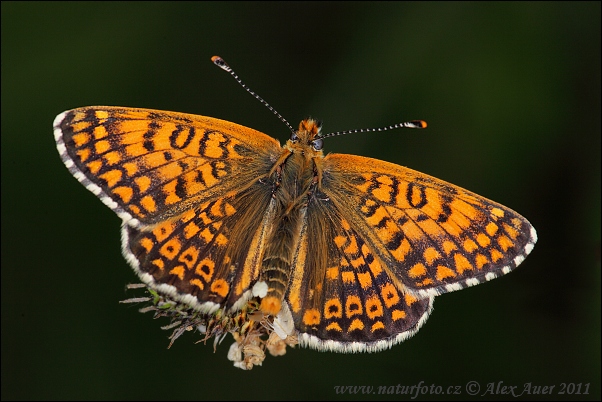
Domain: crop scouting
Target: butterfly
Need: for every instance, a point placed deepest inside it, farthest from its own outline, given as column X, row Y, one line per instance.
column 343, row 252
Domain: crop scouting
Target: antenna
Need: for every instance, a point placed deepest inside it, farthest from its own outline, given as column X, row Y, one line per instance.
column 221, row 63
column 407, row 124
column 218, row 61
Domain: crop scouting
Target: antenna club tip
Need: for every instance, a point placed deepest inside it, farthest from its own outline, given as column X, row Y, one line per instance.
column 419, row 123
column 221, row 63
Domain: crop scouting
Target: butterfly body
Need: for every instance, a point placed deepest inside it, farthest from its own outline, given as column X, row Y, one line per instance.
column 294, row 180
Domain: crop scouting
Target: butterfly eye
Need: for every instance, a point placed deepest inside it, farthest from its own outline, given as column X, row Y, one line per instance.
column 294, row 137
column 317, row 144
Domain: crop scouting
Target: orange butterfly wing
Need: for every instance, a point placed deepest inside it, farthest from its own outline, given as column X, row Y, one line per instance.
column 188, row 188
column 432, row 236
column 151, row 165
column 341, row 296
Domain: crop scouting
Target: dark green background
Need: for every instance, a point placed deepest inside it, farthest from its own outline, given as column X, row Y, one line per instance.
column 511, row 93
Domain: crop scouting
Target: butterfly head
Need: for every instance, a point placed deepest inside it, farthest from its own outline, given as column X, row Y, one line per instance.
column 307, row 138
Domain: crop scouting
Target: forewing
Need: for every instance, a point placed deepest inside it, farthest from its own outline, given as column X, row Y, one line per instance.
column 432, row 236
column 150, row 165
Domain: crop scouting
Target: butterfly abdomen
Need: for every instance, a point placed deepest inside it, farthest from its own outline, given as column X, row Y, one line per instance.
column 277, row 259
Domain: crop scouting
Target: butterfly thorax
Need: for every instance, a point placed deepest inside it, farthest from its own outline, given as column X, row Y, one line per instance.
column 295, row 177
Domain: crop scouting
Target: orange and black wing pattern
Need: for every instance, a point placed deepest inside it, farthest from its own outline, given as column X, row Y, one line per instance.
column 341, row 295
column 433, row 237
column 195, row 213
